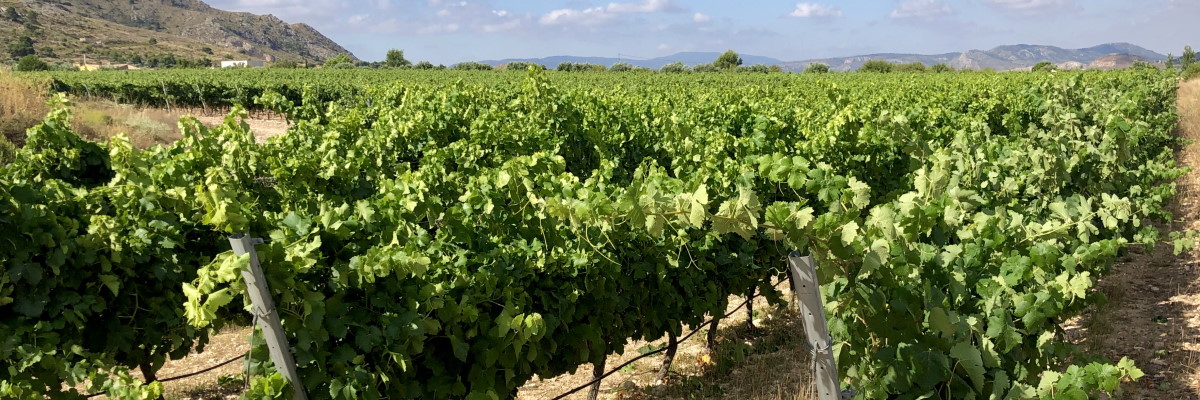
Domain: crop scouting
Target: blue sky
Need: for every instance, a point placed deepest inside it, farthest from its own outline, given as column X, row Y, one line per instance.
column 451, row 31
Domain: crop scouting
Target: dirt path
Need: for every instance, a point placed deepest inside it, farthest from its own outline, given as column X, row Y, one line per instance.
column 1153, row 312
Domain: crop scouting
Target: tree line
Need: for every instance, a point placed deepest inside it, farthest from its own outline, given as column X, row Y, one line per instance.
column 24, row 52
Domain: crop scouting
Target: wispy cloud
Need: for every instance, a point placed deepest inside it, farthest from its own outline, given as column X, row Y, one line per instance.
column 922, row 9
column 599, row 15
column 701, row 18
column 308, row 11
column 814, row 10
column 440, row 17
column 1031, row 7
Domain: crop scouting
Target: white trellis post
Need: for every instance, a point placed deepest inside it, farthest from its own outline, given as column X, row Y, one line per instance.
column 264, row 309
column 812, row 310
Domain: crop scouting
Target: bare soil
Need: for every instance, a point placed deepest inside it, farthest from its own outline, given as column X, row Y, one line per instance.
column 226, row 382
column 262, row 128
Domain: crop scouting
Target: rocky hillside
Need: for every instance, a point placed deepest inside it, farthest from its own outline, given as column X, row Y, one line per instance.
column 1003, row 58
column 73, row 29
column 1115, row 61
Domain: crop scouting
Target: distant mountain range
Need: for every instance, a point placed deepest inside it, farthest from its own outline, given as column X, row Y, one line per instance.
column 1003, row 58
column 691, row 58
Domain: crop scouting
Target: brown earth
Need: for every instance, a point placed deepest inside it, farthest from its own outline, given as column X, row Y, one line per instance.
column 262, row 127
column 1115, row 61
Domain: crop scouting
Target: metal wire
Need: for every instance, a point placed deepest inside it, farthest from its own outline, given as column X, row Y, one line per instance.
column 681, row 340
column 559, row 397
column 190, row 374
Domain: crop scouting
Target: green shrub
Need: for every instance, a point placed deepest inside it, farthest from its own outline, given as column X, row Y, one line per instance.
column 472, row 66
column 339, row 61
column 285, row 64
column 1142, row 65
column 727, row 61
column 876, row 66
column 32, row 63
column 7, row 151
column 518, row 66
column 759, row 68
column 627, row 67
column 1044, row 66
column 910, row 67
column 580, row 67
column 816, row 68
column 1192, row 72
column 675, row 68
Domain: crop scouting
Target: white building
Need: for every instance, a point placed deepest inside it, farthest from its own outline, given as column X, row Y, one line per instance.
column 242, row 64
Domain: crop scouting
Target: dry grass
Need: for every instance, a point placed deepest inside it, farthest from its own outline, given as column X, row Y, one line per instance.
column 22, row 105
column 145, row 127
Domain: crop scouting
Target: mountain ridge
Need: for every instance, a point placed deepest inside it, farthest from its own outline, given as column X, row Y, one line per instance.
column 1005, row 57
column 97, row 29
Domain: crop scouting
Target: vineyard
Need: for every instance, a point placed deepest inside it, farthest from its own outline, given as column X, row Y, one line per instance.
column 453, row 235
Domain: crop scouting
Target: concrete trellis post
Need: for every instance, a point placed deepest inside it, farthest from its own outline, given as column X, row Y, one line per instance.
column 268, row 318
column 812, row 310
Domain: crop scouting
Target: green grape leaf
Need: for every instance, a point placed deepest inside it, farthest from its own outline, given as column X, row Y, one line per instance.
column 971, row 361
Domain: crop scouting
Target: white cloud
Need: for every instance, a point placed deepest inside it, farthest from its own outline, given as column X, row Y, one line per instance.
column 454, row 16
column 814, row 10
column 646, row 6
column 588, row 16
column 438, row 28
column 355, row 19
column 921, row 9
column 1032, row 6
column 599, row 15
column 1024, row 4
column 313, row 12
column 503, row 26
column 701, row 18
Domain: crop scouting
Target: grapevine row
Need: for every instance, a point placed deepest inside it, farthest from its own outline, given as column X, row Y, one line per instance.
column 457, row 239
